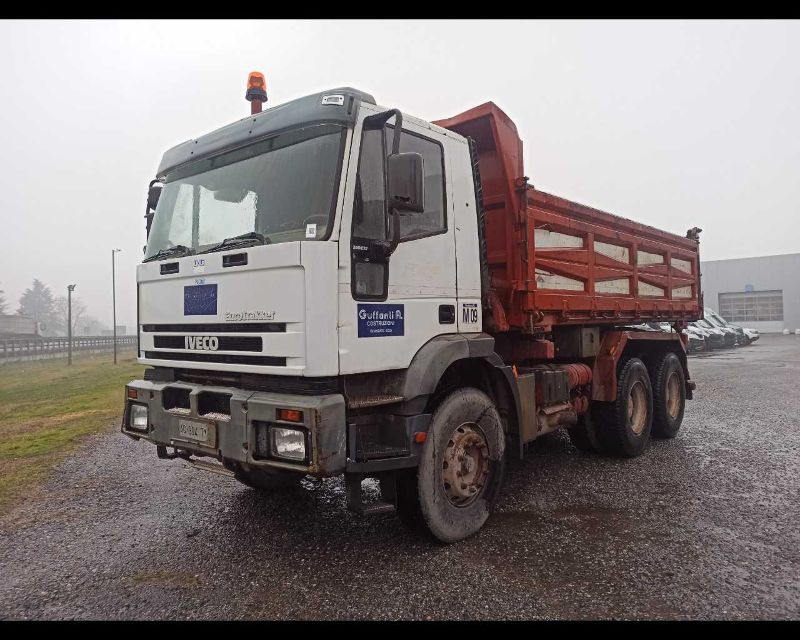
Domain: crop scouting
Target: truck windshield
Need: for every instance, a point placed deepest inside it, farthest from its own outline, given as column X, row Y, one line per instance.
column 279, row 189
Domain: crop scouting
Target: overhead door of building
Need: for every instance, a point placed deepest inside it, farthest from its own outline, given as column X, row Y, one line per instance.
column 762, row 310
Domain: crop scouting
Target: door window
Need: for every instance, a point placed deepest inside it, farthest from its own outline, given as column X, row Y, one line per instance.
column 370, row 273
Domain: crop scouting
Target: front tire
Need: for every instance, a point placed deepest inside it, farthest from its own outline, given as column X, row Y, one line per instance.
column 624, row 425
column 461, row 469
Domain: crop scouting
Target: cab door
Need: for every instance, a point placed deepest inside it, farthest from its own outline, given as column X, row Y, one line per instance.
column 390, row 307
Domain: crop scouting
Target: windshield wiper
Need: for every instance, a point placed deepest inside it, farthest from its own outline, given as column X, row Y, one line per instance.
column 252, row 237
column 163, row 253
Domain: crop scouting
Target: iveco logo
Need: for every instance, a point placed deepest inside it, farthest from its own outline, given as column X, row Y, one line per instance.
column 203, row 343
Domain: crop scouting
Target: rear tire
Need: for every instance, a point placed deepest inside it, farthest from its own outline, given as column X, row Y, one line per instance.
column 460, row 472
column 623, row 426
column 669, row 396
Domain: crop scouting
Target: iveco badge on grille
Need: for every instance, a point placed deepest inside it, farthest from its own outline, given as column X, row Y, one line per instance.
column 202, row 343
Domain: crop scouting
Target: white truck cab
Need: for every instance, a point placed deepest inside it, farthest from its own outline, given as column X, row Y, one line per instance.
column 295, row 316
column 296, row 295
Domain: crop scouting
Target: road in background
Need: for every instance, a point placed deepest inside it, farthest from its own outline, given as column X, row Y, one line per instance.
column 702, row 526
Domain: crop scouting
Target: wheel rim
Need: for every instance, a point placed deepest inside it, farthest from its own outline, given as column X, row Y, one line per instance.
column 465, row 465
column 673, row 394
column 637, row 408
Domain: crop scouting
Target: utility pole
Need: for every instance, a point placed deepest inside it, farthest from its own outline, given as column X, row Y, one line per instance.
column 70, row 289
column 114, row 300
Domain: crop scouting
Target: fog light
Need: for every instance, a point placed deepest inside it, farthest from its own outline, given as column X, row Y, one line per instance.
column 288, row 443
column 138, row 416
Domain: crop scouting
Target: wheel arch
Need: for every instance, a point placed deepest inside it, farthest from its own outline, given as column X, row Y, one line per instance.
column 448, row 362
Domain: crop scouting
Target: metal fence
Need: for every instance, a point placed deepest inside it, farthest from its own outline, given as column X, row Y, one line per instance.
column 20, row 348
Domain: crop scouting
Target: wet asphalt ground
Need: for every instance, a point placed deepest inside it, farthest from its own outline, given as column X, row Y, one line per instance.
column 704, row 526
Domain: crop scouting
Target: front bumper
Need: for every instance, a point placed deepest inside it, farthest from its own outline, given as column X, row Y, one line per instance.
column 233, row 436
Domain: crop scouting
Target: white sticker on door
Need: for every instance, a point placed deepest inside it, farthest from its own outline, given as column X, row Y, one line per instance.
column 311, row 231
column 469, row 313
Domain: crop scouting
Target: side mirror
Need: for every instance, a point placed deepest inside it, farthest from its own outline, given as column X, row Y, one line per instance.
column 153, row 195
column 406, row 182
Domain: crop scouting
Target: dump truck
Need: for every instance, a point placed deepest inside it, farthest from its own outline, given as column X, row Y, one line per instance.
column 335, row 288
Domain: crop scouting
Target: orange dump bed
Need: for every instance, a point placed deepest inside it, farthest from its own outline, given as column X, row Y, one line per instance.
column 552, row 261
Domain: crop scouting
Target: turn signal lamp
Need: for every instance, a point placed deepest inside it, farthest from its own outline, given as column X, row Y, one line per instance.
column 290, row 415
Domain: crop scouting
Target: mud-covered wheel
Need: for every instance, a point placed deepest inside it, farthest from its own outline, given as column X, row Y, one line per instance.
column 460, row 472
column 669, row 396
column 584, row 435
column 267, row 480
column 624, row 425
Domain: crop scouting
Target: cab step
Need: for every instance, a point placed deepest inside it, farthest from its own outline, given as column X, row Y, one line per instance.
column 355, row 500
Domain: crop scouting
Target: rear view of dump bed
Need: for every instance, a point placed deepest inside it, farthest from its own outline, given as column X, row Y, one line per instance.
column 550, row 261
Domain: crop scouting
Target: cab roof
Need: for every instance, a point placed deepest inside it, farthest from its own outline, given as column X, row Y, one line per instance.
column 306, row 110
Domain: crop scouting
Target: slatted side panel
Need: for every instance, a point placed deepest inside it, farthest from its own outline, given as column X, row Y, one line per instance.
column 592, row 264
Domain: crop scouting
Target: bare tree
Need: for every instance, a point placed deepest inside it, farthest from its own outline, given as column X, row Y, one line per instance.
column 60, row 313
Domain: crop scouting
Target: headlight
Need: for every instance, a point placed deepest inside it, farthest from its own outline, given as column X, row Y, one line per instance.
column 138, row 417
column 288, row 443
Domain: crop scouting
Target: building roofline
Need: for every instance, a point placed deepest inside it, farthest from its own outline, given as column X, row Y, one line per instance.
column 774, row 255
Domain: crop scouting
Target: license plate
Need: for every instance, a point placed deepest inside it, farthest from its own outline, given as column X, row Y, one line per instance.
column 202, row 432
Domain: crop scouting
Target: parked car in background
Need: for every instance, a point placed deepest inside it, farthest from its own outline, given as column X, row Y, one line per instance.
column 718, row 321
column 696, row 339
column 752, row 334
column 715, row 338
column 730, row 336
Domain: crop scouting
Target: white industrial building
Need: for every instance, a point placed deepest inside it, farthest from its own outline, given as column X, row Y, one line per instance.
column 762, row 293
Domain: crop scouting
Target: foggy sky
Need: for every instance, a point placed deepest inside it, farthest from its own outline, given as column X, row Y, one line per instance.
column 675, row 124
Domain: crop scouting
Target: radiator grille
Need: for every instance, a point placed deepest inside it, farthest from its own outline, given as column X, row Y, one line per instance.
column 226, row 343
column 222, row 358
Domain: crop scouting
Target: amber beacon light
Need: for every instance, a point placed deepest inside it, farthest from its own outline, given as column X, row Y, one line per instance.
column 256, row 91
